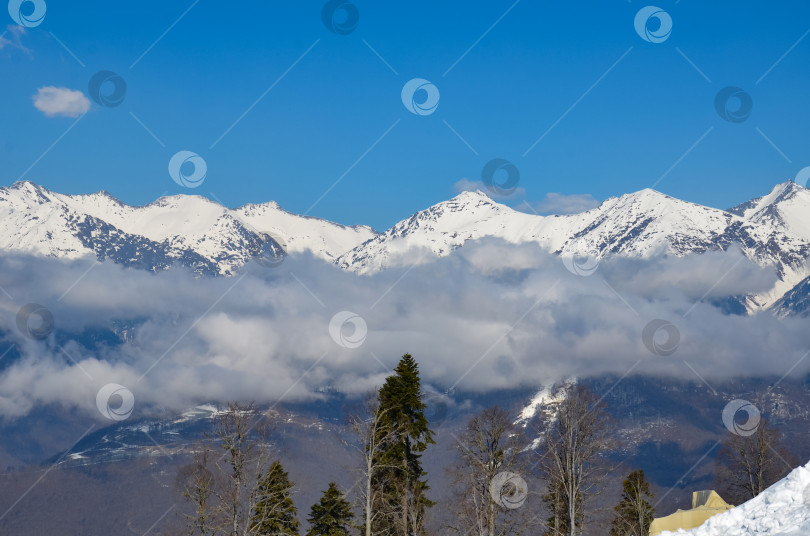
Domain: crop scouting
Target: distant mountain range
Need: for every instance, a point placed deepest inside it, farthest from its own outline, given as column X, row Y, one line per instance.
column 665, row 425
column 210, row 239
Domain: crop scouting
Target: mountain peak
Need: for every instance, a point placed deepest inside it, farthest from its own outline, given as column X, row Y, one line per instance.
column 106, row 194
column 28, row 189
column 266, row 205
column 472, row 204
column 184, row 200
column 784, row 190
column 473, row 196
column 103, row 197
column 790, row 187
column 644, row 200
column 28, row 186
column 648, row 193
column 24, row 184
column 779, row 194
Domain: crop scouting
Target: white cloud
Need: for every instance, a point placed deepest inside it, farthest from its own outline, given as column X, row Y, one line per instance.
column 555, row 203
column 16, row 32
column 466, row 185
column 495, row 314
column 61, row 101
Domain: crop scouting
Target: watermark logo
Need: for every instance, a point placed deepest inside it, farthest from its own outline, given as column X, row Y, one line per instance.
column 752, row 417
column 107, row 89
column 802, row 176
column 272, row 251
column 115, row 402
column 357, row 333
column 733, row 104
column 653, row 24
column 35, row 321
column 501, row 177
column 28, row 13
column 581, row 264
column 661, row 337
column 420, row 96
column 187, row 169
column 508, row 490
column 340, row 16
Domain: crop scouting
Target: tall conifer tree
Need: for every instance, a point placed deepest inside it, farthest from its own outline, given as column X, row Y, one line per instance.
column 332, row 515
column 634, row 513
column 401, row 477
column 275, row 511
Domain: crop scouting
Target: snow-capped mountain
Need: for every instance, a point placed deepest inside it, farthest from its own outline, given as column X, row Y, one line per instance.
column 195, row 232
column 771, row 230
column 188, row 230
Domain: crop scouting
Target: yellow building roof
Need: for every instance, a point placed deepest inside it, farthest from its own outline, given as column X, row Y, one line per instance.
column 705, row 504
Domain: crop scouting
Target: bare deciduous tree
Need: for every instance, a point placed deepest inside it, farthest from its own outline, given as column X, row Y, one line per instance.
column 372, row 437
column 746, row 465
column 490, row 444
column 634, row 513
column 196, row 484
column 224, row 485
column 571, row 457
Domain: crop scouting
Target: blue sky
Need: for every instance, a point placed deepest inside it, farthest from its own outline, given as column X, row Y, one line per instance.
column 616, row 113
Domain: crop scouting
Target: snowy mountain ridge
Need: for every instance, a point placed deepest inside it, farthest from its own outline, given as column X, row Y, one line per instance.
column 188, row 230
column 773, row 230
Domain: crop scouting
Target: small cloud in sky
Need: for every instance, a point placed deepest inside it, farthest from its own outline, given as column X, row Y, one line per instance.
column 555, row 203
column 61, row 101
column 14, row 39
column 466, row 185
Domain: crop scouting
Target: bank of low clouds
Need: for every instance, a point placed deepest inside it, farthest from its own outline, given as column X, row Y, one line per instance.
column 491, row 316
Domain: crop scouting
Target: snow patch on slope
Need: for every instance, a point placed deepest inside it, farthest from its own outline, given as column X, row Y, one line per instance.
column 543, row 405
column 545, row 397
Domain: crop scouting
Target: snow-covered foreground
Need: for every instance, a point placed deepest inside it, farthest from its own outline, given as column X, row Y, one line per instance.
column 783, row 509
